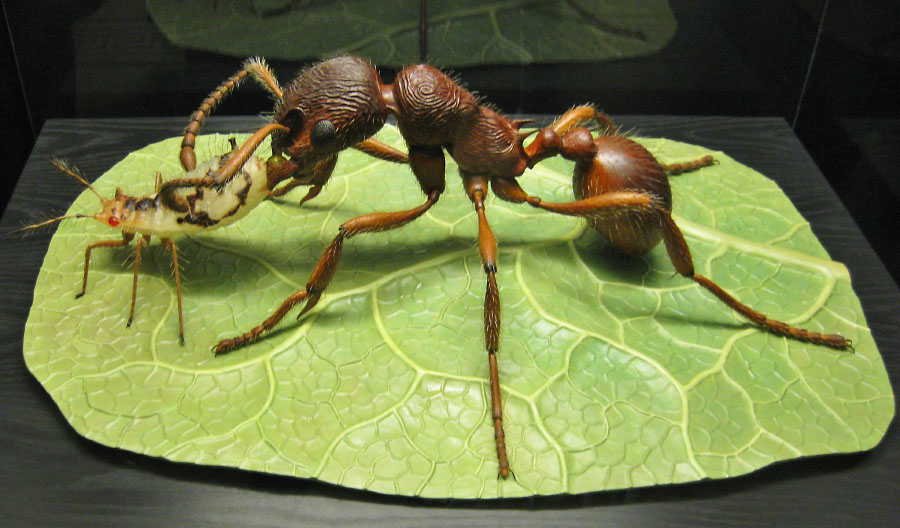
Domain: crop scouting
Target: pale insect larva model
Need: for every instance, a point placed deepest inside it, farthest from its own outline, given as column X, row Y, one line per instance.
column 202, row 200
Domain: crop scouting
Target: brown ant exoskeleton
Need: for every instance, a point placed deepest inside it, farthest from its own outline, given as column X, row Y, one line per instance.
column 620, row 188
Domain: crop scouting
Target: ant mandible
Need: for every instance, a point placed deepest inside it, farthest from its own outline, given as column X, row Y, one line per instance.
column 620, row 188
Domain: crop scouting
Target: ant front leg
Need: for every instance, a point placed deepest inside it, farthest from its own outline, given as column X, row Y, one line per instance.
column 477, row 188
column 324, row 169
column 427, row 164
column 326, row 268
column 321, row 174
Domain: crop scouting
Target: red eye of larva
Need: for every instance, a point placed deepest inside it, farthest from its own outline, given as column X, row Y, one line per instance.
column 113, row 221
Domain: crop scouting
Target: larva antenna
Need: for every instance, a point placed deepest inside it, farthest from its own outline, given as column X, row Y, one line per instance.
column 75, row 173
column 51, row 221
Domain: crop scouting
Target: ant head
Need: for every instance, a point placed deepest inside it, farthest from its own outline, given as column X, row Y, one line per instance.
column 332, row 105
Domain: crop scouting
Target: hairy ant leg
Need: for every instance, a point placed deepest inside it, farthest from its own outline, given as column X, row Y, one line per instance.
column 427, row 164
column 321, row 174
column 477, row 188
column 323, row 170
column 674, row 169
column 326, row 268
column 680, row 256
column 382, row 151
column 622, row 207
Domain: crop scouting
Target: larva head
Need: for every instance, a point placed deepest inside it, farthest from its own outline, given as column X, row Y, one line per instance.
column 118, row 212
column 115, row 213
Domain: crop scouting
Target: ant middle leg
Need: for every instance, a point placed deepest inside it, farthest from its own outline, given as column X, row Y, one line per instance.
column 674, row 169
column 476, row 189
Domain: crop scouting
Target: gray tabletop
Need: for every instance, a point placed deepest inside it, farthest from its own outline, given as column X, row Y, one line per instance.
column 53, row 477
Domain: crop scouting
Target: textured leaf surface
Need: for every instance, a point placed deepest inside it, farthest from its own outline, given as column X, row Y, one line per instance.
column 460, row 33
column 614, row 372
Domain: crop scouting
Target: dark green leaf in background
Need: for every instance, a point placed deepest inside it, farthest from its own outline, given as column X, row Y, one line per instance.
column 615, row 372
column 460, row 32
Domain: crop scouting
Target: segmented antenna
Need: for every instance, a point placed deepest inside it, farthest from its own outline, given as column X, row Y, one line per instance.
column 51, row 221
column 73, row 171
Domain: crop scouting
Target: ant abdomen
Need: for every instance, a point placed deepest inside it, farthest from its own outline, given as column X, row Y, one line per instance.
column 621, row 164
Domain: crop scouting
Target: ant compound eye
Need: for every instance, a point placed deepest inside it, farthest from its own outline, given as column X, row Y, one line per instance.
column 322, row 132
column 113, row 221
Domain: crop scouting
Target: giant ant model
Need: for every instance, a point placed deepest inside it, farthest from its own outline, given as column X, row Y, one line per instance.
column 620, row 188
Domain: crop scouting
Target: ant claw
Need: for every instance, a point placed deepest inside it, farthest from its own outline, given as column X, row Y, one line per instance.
column 505, row 473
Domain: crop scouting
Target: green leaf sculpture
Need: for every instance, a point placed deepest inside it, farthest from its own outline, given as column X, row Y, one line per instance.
column 460, row 33
column 615, row 372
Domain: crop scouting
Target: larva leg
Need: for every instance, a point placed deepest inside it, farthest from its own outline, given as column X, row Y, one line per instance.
column 126, row 239
column 326, row 268
column 138, row 246
column 170, row 245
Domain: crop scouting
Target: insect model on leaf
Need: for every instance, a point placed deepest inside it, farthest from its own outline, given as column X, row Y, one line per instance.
column 620, row 188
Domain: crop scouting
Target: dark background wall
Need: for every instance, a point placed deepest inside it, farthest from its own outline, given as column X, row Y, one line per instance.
column 830, row 68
